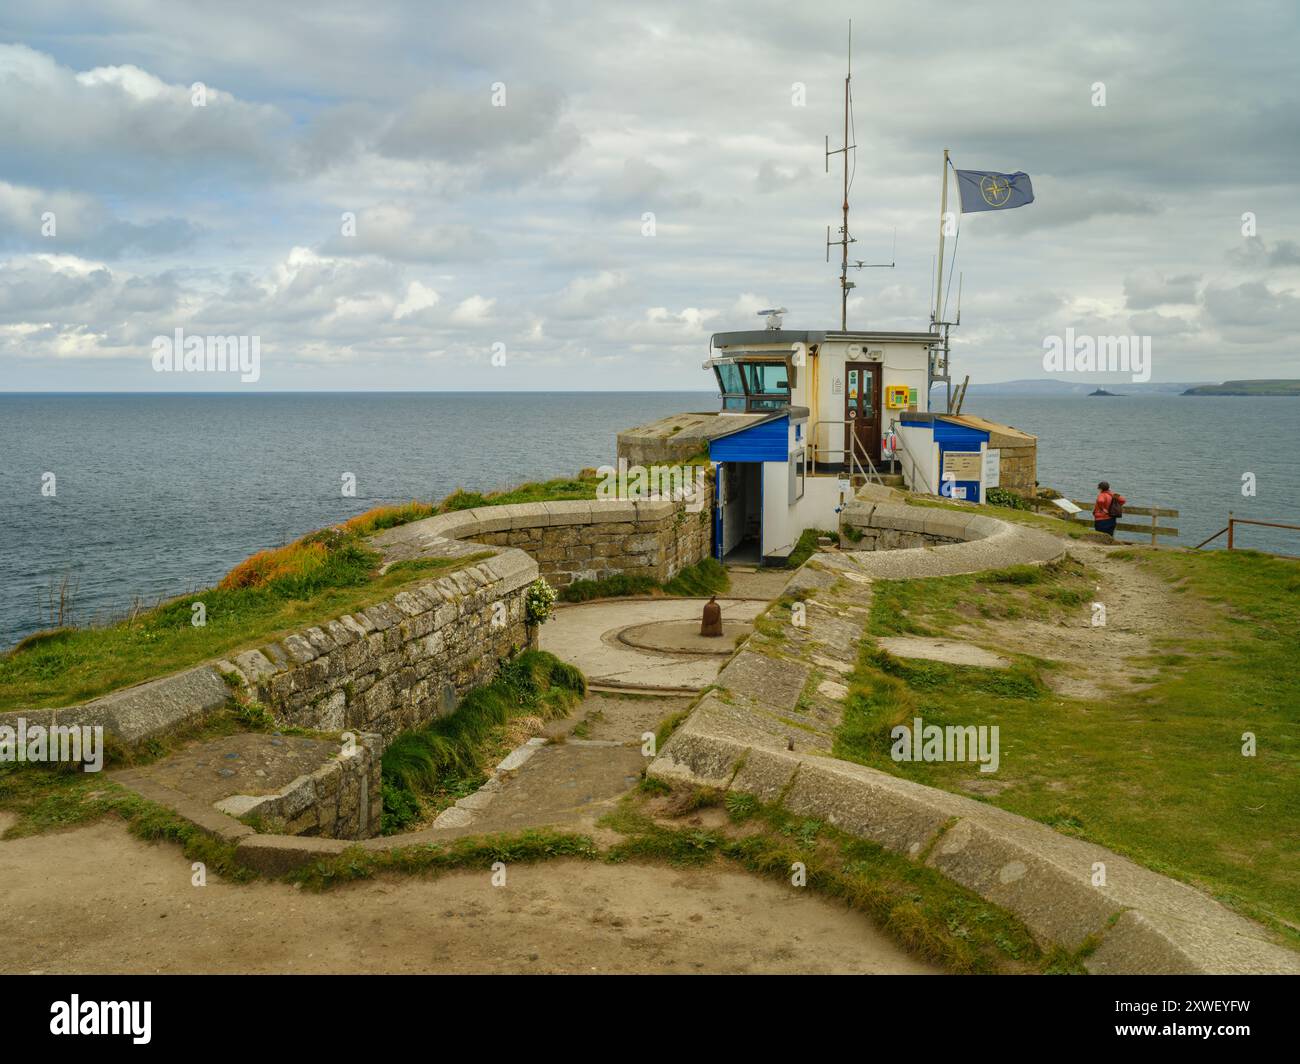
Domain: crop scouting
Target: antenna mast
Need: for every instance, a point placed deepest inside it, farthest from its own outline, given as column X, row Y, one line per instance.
column 845, row 239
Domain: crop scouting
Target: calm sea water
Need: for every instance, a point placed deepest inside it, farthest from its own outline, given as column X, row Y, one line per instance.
column 161, row 495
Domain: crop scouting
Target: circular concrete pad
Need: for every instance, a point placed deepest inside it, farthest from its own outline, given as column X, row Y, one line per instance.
column 683, row 637
column 587, row 636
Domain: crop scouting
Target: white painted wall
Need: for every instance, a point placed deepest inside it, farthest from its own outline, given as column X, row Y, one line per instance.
column 783, row 523
column 919, row 459
column 901, row 363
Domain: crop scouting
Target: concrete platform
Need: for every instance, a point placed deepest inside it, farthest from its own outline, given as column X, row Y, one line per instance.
column 291, row 784
column 588, row 636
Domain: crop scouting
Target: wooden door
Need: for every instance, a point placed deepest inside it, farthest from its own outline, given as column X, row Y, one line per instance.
column 862, row 406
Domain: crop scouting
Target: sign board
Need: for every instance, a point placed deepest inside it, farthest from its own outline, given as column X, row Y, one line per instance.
column 963, row 465
column 1067, row 506
column 992, row 468
column 846, row 485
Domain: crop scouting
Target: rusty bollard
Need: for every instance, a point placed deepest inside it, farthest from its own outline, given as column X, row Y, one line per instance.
column 711, row 624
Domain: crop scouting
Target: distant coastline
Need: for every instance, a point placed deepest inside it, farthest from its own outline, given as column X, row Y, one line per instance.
column 1264, row 387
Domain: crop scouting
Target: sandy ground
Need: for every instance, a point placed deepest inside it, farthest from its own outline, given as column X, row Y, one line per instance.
column 96, row 900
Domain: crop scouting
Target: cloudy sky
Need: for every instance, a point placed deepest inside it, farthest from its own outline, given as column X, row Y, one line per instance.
column 519, row 228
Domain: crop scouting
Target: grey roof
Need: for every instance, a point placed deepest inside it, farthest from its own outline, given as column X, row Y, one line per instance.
column 794, row 336
column 795, row 413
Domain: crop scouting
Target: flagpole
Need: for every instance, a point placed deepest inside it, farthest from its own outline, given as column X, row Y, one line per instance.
column 943, row 210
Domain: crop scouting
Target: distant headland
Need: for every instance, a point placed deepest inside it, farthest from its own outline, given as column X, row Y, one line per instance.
column 1264, row 387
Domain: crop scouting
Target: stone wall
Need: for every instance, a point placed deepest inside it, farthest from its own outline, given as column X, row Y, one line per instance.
column 890, row 538
column 400, row 663
column 894, row 527
column 1019, row 470
column 657, row 540
column 397, row 664
column 343, row 799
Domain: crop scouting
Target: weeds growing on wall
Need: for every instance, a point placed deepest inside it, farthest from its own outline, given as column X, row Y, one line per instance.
column 806, row 546
column 448, row 757
column 706, row 577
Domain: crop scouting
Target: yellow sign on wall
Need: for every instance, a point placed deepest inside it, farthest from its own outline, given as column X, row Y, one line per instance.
column 896, row 396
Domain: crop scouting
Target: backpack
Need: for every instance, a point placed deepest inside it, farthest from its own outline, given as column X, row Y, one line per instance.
column 1114, row 509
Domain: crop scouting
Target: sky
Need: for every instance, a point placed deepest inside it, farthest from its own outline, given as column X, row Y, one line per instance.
column 566, row 196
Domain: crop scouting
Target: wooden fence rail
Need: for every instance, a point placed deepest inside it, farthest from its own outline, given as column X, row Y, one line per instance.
column 1152, row 529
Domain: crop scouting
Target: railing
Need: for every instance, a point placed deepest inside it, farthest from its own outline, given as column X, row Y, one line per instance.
column 1231, row 528
column 916, row 466
column 1153, row 529
column 855, row 456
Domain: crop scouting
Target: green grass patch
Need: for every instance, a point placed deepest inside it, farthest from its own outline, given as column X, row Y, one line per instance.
column 480, row 852
column 927, row 913
column 1056, row 525
column 806, row 546
column 1156, row 774
column 72, row 665
column 617, row 586
column 51, row 799
column 446, row 759
column 561, row 489
column 706, row 577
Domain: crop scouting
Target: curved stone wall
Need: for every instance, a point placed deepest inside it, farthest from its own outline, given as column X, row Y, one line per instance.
column 900, row 542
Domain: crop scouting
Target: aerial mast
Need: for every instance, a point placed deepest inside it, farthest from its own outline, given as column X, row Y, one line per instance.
column 845, row 239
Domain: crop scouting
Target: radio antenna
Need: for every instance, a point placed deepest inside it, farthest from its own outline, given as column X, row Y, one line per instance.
column 845, row 237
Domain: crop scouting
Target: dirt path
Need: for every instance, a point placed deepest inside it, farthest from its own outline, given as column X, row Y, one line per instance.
column 95, row 900
column 1140, row 609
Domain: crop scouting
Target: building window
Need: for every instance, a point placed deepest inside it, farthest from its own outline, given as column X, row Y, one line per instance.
column 753, row 386
column 766, row 378
column 796, row 463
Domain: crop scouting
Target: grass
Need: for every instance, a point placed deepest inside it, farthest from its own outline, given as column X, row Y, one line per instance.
column 1055, row 525
column 706, row 577
column 537, row 844
column 563, row 489
column 1157, row 774
column 49, row 799
column 918, row 907
column 272, row 593
column 430, row 768
column 806, row 546
column 261, row 599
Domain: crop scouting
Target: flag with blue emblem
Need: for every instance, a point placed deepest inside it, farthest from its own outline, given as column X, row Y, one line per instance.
column 984, row 190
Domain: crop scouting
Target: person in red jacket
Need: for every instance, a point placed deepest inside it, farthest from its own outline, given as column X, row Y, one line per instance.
column 1106, row 510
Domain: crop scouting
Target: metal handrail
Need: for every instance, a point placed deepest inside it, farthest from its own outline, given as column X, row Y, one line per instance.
column 853, row 456
column 916, row 466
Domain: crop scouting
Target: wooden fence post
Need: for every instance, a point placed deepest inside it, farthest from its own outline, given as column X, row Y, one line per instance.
column 1229, row 530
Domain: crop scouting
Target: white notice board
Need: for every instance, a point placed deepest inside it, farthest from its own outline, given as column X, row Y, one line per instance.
column 992, row 468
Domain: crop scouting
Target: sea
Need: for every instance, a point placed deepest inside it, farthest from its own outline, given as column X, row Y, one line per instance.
column 121, row 498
